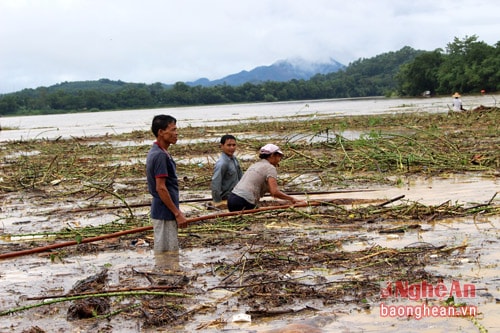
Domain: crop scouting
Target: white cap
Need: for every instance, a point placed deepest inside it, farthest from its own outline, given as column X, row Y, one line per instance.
column 270, row 149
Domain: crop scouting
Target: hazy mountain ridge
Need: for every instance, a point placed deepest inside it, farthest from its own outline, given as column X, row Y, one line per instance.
column 280, row 71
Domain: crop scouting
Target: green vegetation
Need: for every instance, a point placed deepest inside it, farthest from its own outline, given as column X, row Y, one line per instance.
column 467, row 66
column 398, row 144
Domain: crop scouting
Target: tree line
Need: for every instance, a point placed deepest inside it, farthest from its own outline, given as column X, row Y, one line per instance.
column 466, row 65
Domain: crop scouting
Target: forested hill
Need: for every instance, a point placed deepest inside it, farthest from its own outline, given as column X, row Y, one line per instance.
column 466, row 66
column 76, row 87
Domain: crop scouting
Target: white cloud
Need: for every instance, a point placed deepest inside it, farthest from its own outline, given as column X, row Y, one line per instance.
column 44, row 42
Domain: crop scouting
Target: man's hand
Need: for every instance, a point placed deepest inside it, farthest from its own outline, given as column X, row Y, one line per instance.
column 299, row 202
column 181, row 220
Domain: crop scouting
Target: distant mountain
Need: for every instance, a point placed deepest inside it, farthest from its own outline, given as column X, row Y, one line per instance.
column 280, row 71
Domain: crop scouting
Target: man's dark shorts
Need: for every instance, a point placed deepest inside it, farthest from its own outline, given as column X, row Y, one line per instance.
column 236, row 203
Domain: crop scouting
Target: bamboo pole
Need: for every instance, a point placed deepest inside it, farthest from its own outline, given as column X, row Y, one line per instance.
column 105, row 294
column 189, row 221
column 114, row 291
column 138, row 205
column 146, row 228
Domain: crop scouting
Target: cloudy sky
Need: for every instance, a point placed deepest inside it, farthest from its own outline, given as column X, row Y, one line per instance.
column 45, row 42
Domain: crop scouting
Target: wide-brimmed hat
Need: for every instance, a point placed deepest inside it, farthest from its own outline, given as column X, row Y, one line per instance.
column 270, row 149
column 456, row 95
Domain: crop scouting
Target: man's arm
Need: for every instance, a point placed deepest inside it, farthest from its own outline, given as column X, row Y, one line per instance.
column 216, row 184
column 238, row 169
column 275, row 191
column 162, row 190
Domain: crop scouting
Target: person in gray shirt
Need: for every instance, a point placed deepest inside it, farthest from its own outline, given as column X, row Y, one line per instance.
column 227, row 172
column 260, row 178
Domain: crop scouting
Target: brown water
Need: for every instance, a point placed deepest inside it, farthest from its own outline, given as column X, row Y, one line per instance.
column 478, row 264
column 36, row 275
column 101, row 123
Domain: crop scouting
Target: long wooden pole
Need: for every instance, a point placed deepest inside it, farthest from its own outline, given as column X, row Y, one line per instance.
column 137, row 205
column 189, row 221
column 141, row 229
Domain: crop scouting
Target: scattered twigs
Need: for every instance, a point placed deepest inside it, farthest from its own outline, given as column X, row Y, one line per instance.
column 337, row 213
column 492, row 198
column 346, row 156
column 387, row 251
column 453, row 248
column 278, row 272
column 278, row 312
column 116, row 195
column 482, row 207
column 401, row 229
column 48, row 168
column 211, row 304
column 313, row 160
column 391, row 201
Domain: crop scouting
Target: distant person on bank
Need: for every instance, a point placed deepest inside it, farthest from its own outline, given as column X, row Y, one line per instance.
column 166, row 216
column 227, row 172
column 260, row 178
column 457, row 102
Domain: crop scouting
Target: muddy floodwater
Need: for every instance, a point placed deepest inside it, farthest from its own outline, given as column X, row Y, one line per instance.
column 477, row 264
column 332, row 267
column 116, row 122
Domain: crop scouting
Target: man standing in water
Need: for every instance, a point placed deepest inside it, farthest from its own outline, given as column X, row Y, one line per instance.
column 163, row 186
column 227, row 172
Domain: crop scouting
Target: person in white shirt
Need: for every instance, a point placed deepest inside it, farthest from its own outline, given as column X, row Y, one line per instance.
column 260, row 178
column 457, row 102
